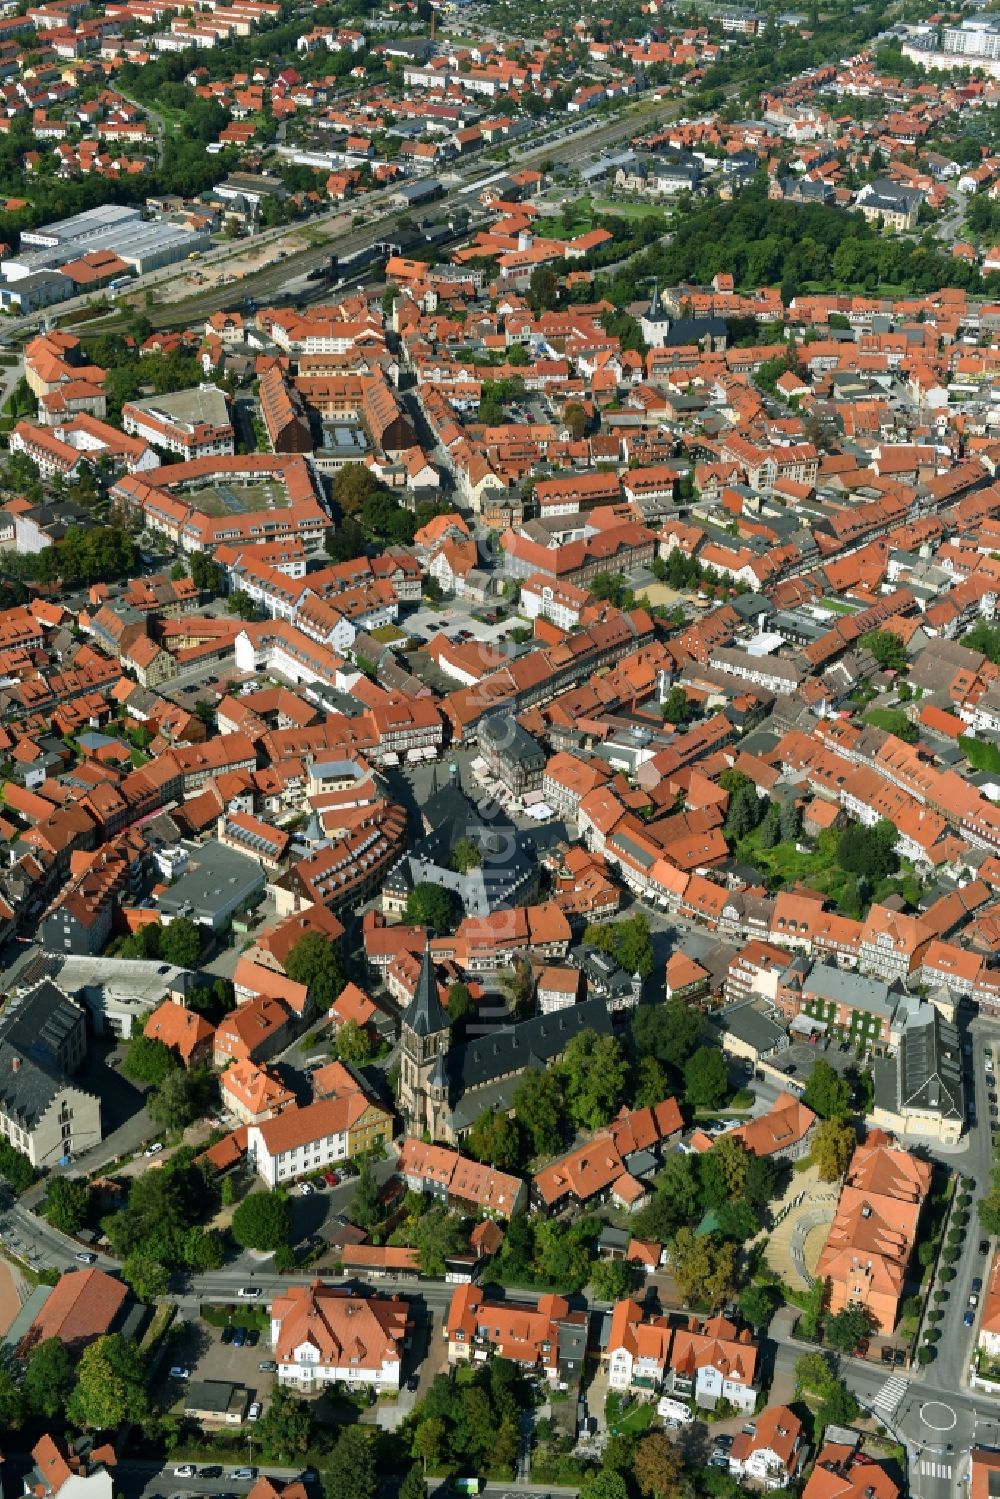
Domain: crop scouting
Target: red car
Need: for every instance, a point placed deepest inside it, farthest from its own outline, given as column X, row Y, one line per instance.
column 331, row 1178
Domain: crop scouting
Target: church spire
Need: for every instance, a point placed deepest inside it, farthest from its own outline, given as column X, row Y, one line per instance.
column 425, row 1015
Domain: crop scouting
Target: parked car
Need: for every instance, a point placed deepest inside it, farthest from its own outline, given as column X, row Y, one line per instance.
column 239, row 1337
column 984, row 1246
column 227, row 1333
column 977, row 1284
column 214, row 1470
column 253, row 1414
column 306, row 1189
column 267, row 1366
column 86, row 1258
column 724, row 1441
column 252, row 1337
column 973, row 1299
column 178, row 1371
column 186, row 1470
column 154, row 1149
column 243, row 1475
column 968, row 1319
column 331, row 1178
column 249, row 1293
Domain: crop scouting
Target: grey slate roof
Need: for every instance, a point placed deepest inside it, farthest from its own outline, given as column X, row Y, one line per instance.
column 425, row 1015
column 31, row 1033
column 511, row 1050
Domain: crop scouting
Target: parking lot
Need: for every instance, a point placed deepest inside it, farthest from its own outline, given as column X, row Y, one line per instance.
column 200, row 1348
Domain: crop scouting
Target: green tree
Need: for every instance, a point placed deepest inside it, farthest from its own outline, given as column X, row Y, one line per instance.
column 675, row 1201
column 413, row 1485
column 675, row 706
column 438, row 1234
column 650, row 1084
column 563, row 1256
column 846, row 1328
column 429, row 1441
column 706, row 1078
column 814, row 1373
column 543, row 289
column 756, row 1306
column 180, row 943
column 146, row 1276
column 869, row 852
column 110, row 1385
column 180, row 1099
column 658, row 1467
column 496, row 1139
column 827, row 1093
column 538, row 1109
column 147, row 1060
column 351, row 1471
column 315, row 962
column 576, row 420
column 887, row 648
column 669, row 1032
column 725, row 1170
column 240, row 602
column 67, row 1203
column 704, row 1268
column 284, row 1432
column 593, row 1072
column 746, row 810
column 353, row 1043
column 466, row 855
column 634, row 946
column 611, row 1280
column 833, row 1145
column 12, row 1400
column 262, row 1221
column 605, row 1483
column 366, row 1210
column 459, row 1005
column 431, row 906
column 49, row 1373
column 517, row 983
column 352, row 485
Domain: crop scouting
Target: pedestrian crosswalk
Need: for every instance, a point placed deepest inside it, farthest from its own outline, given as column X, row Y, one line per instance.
column 932, row 1469
column 890, row 1395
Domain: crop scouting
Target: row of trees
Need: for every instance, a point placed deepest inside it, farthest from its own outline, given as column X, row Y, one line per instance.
column 98, row 1391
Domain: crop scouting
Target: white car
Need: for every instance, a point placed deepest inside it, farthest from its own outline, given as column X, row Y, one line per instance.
column 249, row 1293
column 85, row 1257
column 154, row 1149
column 253, row 1414
column 186, row 1470
column 178, row 1371
column 306, row 1189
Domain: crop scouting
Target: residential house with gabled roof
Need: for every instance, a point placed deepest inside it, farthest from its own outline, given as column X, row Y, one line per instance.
column 712, row 1362
column 451, row 1177
column 184, row 1032
column 546, row 1337
column 638, row 1348
column 770, row 1450
column 322, row 1334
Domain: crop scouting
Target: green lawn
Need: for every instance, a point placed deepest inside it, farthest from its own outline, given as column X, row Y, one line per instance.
column 636, row 1417
column 785, row 866
column 630, row 210
column 837, row 606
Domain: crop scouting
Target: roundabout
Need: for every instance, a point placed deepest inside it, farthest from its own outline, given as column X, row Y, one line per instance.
column 931, row 1415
